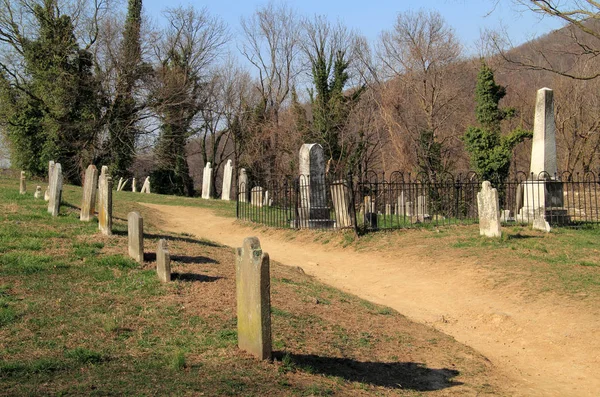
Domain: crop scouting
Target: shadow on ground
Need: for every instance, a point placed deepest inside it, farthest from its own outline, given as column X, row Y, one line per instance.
column 395, row 375
column 194, row 277
column 171, row 238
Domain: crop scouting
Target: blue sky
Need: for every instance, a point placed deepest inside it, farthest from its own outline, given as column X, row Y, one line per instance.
column 467, row 17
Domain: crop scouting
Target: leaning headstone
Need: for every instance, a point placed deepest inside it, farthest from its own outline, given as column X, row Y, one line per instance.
column 340, row 195
column 55, row 190
column 22, row 184
column 105, row 202
column 253, row 293
column 314, row 211
column 489, row 211
column 120, row 185
column 90, row 185
column 38, row 192
column 243, row 186
column 207, row 181
column 163, row 261
column 135, row 236
column 146, row 186
column 227, row 177
column 257, row 196
column 540, row 223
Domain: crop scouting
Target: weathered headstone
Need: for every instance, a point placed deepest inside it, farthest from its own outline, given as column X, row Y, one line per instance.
column 257, row 196
column 340, row 195
column 120, row 184
column 409, row 208
column 388, row 210
column 543, row 191
column 207, row 181
column 489, row 211
column 50, row 170
column 540, row 223
column 146, row 186
column 313, row 211
column 253, row 293
column 133, row 186
column 105, row 202
column 266, row 200
column 22, row 184
column 47, row 194
column 55, row 190
column 401, row 206
column 90, row 185
column 243, row 186
column 135, row 236
column 163, row 261
column 227, row 177
column 38, row 192
column 422, row 207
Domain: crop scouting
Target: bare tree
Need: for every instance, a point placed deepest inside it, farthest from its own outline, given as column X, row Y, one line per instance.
column 420, row 63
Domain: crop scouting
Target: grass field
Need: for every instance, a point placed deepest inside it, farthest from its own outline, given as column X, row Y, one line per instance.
column 78, row 317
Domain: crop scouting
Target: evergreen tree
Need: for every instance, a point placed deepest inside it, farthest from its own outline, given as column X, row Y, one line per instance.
column 53, row 115
column 123, row 111
column 489, row 150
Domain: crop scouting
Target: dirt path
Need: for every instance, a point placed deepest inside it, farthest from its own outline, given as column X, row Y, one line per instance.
column 548, row 347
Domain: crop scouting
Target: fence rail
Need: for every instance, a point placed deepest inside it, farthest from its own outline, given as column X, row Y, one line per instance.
column 376, row 201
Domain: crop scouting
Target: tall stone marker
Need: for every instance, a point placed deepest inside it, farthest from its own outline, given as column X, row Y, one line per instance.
column 543, row 147
column 133, row 186
column 253, row 292
column 340, row 195
column 50, row 171
column 207, row 181
column 135, row 234
column 90, row 185
column 243, row 186
column 489, row 211
column 227, row 177
column 55, row 190
column 105, row 185
column 22, row 184
column 163, row 261
column 313, row 211
column 543, row 193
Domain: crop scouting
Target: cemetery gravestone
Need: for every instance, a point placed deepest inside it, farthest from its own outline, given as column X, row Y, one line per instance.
column 90, row 185
column 227, row 177
column 38, row 192
column 542, row 195
column 207, row 181
column 313, row 211
column 105, row 202
column 135, row 236
column 256, row 196
column 163, row 261
column 340, row 196
column 55, row 190
column 146, row 186
column 489, row 211
column 133, row 186
column 253, row 293
column 22, row 184
column 243, row 186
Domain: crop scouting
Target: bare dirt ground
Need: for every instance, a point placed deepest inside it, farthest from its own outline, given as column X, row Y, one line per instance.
column 547, row 345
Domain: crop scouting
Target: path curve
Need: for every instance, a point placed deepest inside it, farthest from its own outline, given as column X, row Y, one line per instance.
column 548, row 346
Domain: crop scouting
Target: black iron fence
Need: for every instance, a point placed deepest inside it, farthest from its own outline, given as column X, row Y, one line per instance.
column 378, row 201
